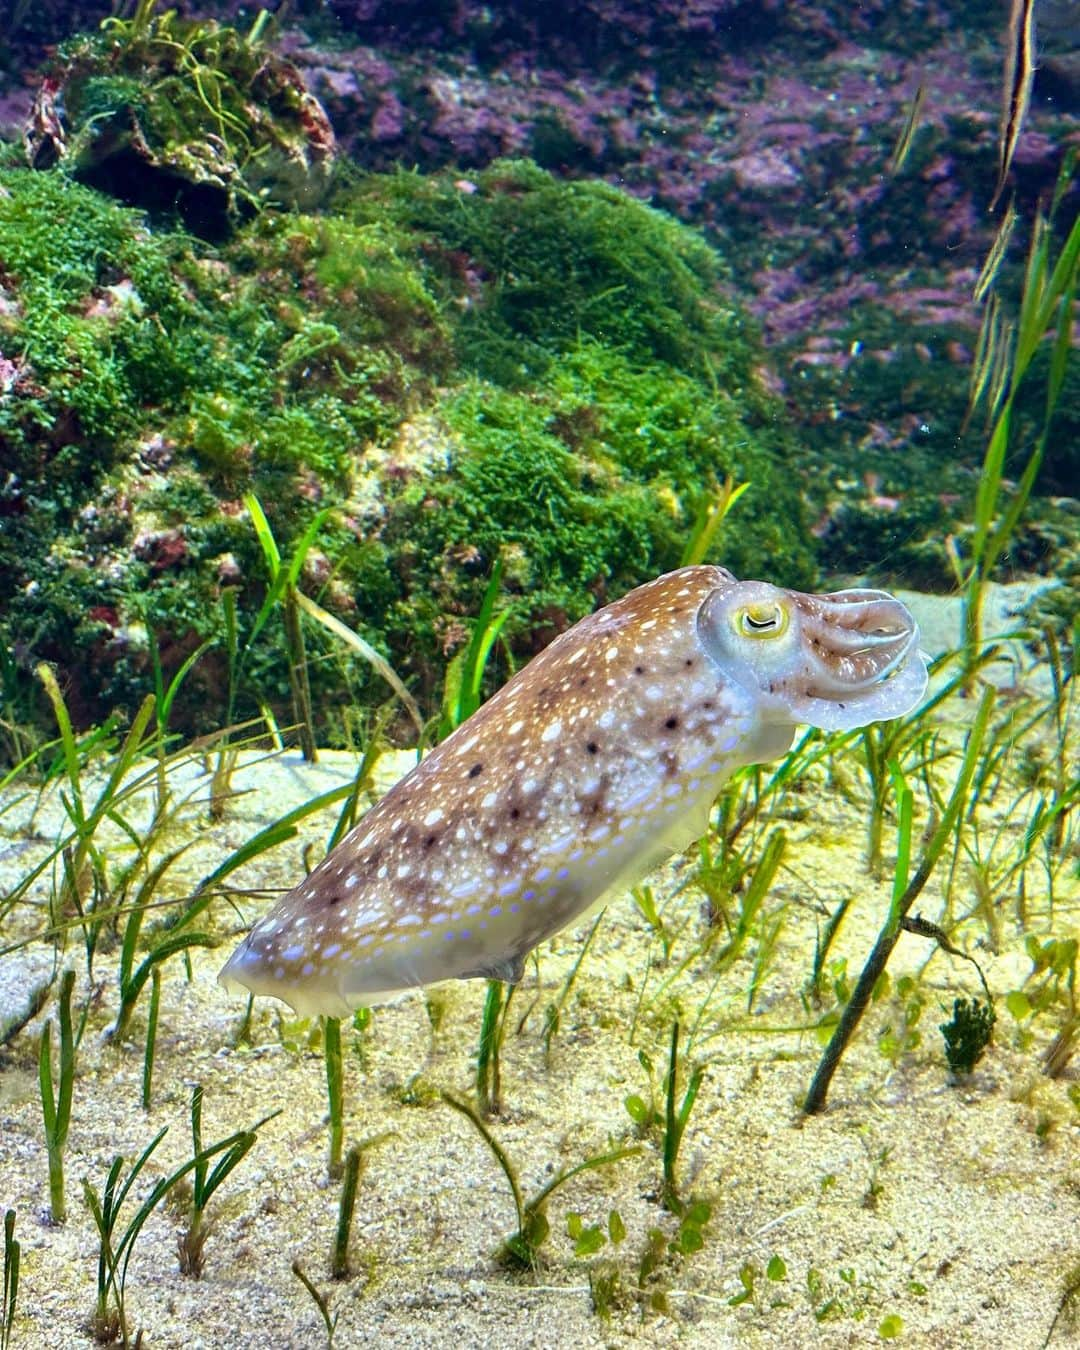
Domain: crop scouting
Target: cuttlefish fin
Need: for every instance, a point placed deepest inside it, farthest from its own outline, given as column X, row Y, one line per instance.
column 509, row 970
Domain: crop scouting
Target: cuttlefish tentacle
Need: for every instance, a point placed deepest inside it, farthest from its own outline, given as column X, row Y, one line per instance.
column 599, row 758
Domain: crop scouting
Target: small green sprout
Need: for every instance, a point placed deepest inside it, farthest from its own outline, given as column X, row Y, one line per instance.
column 769, row 930
column 968, row 1033
column 905, row 892
column 897, row 1040
column 109, row 1321
column 284, row 591
column 604, row 1277
column 1062, row 1048
column 645, row 900
column 354, row 1161
column 1068, row 1308
column 652, row 1257
column 321, row 1302
column 553, row 1012
column 463, row 685
column 488, row 1060
column 164, row 697
column 587, row 1239
column 151, row 1036
column 748, row 1274
column 340, row 1264
column 671, row 1124
column 675, row 1122
column 876, row 1187
column 132, row 977
column 751, row 901
column 1044, row 314
column 206, row 1181
column 643, row 1113
column 710, row 512
column 335, row 1090
column 691, row 1235
column 813, row 992
column 56, row 1106
column 462, row 695
column 826, row 1307
column 604, row 1290
column 12, row 1252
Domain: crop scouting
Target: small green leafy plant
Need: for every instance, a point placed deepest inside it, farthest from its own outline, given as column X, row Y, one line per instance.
column 354, row 1161
column 284, row 592
column 901, row 1035
column 84, row 866
column 554, row 1011
column 205, row 1181
column 489, row 1046
column 644, row 897
column 1046, row 306
column 152, row 1014
column 335, row 1090
column 589, row 1240
column 905, row 892
column 1051, row 982
column 322, row 1303
column 522, row 1248
column 464, row 681
column 116, row 1244
column 339, row 1265
column 132, row 978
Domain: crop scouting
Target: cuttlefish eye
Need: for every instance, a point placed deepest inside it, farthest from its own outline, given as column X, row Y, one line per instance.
column 767, row 620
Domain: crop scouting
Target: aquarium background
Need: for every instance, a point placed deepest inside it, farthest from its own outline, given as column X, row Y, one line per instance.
column 348, row 355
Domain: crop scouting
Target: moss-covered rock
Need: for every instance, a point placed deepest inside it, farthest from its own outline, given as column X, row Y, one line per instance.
column 186, row 115
column 458, row 370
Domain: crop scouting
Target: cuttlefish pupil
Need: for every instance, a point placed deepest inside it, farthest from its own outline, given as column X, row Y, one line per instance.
column 596, row 761
column 763, row 621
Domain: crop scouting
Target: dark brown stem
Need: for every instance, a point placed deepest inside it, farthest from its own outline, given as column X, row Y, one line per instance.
column 864, row 988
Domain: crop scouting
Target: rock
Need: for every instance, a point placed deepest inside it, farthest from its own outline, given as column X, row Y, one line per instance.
column 183, row 115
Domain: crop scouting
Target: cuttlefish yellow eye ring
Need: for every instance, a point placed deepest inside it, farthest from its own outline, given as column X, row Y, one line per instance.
column 769, row 619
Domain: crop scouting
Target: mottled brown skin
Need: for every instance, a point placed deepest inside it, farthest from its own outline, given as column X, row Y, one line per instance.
column 598, row 759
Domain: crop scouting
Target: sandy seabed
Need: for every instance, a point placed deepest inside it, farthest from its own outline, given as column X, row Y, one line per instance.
column 953, row 1207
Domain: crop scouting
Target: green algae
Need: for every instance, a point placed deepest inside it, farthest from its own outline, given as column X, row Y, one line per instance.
column 575, row 423
column 537, row 264
column 583, row 486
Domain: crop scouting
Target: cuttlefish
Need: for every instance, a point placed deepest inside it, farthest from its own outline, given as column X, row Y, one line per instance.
column 596, row 761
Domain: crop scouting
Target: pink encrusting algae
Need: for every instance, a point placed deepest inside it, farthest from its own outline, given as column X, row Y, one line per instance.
column 596, row 761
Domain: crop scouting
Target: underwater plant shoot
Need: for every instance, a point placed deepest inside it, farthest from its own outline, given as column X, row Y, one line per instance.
column 539, row 651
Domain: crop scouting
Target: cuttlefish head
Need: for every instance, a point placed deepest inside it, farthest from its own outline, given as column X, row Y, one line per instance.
column 833, row 661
